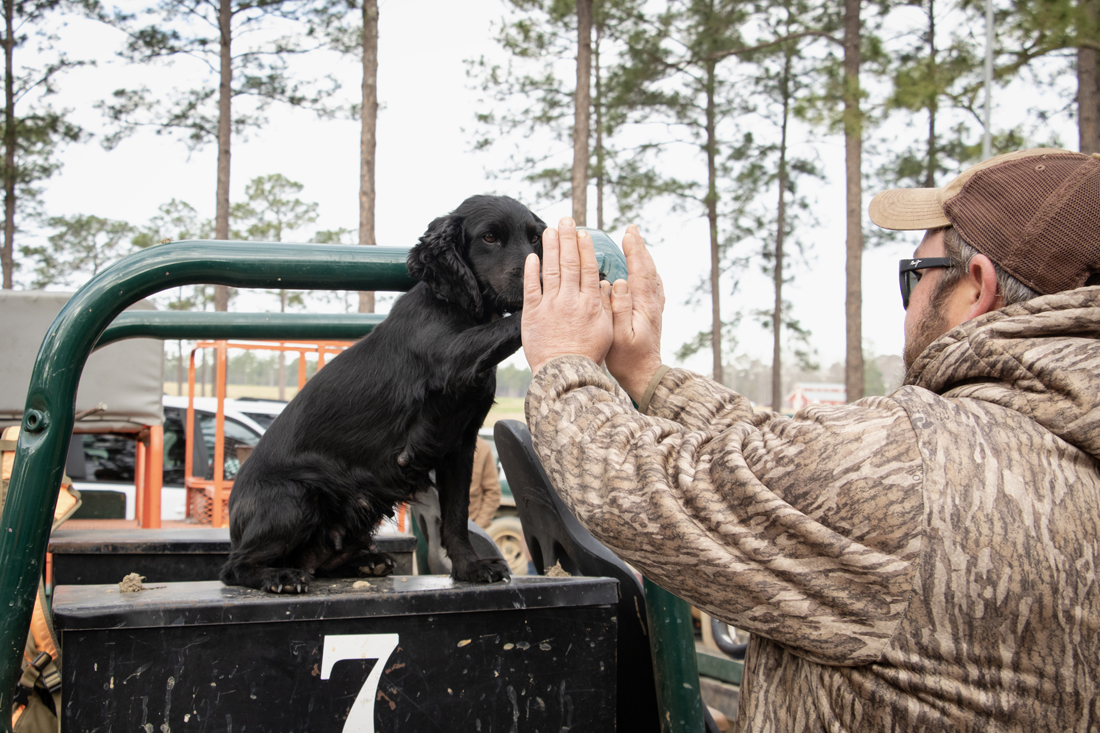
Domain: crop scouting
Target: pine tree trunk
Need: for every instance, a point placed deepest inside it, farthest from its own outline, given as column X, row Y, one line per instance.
column 712, row 220
column 853, row 153
column 7, row 254
column 933, row 106
column 597, row 108
column 225, row 96
column 368, row 137
column 582, row 111
column 1088, row 87
column 780, row 232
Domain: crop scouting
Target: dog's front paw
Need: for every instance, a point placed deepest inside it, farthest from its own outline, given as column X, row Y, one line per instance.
column 286, row 580
column 481, row 571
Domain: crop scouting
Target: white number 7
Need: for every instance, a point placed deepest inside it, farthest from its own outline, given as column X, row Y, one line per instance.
column 360, row 646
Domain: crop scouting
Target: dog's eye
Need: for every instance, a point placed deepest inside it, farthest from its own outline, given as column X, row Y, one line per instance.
column 536, row 238
column 489, row 238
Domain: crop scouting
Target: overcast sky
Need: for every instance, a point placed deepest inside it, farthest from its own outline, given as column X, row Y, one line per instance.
column 425, row 168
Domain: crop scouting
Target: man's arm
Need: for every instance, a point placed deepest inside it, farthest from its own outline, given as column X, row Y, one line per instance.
column 805, row 531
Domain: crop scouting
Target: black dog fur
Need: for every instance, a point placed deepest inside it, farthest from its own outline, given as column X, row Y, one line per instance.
column 407, row 399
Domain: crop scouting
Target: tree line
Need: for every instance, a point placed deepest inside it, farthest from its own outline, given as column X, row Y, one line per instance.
column 699, row 106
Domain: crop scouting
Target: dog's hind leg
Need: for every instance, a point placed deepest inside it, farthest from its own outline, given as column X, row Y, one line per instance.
column 454, row 499
column 243, row 568
column 265, row 541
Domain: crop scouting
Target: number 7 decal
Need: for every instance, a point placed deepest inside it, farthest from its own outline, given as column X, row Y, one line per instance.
column 360, row 646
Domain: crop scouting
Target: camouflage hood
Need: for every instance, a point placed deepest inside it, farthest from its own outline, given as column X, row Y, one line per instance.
column 1040, row 358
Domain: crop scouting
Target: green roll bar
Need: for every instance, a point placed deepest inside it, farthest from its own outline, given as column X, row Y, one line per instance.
column 176, row 325
column 675, row 669
column 93, row 317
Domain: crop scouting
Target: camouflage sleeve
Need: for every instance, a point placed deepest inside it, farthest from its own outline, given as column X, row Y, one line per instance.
column 803, row 530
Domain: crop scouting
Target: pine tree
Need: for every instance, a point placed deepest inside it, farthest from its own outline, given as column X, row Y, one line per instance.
column 31, row 137
column 1039, row 29
column 853, row 181
column 257, row 75
column 936, row 74
column 531, row 95
column 368, row 139
column 672, row 75
column 361, row 40
column 78, row 249
column 783, row 81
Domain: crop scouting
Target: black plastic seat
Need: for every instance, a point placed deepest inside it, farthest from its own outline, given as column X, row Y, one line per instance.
column 427, row 523
column 553, row 536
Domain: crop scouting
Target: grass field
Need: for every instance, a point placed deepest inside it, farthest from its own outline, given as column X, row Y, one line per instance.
column 506, row 408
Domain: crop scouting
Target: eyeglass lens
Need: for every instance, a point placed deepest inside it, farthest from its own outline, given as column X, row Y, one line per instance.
column 909, row 281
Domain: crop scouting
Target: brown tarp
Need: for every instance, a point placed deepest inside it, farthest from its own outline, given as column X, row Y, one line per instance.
column 128, row 376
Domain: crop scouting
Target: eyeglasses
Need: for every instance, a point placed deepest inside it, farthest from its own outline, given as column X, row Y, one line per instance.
column 909, row 273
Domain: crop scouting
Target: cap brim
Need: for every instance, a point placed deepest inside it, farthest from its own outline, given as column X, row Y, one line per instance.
column 907, row 209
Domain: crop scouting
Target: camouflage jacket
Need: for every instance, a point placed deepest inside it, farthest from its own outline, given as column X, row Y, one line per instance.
column 923, row 561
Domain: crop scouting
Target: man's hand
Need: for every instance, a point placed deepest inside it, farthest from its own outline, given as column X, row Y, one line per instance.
column 637, row 305
column 570, row 313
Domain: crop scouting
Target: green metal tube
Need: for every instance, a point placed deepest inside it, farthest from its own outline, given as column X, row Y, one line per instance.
column 673, row 648
column 48, row 416
column 173, row 325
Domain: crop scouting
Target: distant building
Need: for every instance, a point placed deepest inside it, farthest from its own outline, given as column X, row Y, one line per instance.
column 816, row 393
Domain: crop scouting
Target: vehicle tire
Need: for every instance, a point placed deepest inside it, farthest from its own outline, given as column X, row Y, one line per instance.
column 507, row 533
column 722, row 637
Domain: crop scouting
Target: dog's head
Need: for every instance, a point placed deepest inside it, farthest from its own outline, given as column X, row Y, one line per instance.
column 474, row 256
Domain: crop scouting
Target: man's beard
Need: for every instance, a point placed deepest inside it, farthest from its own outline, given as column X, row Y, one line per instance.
column 928, row 329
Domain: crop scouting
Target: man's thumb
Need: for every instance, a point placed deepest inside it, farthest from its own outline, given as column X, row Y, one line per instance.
column 622, row 308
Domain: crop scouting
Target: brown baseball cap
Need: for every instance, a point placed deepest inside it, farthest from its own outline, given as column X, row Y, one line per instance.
column 1036, row 213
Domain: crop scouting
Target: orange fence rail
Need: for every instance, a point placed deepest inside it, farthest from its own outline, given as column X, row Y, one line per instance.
column 149, row 476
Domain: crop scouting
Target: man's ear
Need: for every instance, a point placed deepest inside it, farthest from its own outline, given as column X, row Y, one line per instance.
column 982, row 278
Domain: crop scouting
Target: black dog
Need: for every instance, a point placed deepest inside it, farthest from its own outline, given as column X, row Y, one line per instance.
column 368, row 430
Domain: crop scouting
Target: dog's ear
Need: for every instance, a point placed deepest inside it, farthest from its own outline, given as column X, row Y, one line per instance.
column 438, row 261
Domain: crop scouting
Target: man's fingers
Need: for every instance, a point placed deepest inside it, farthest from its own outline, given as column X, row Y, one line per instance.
column 620, row 300
column 605, row 295
column 532, row 289
column 590, row 268
column 642, row 271
column 622, row 311
column 570, row 258
column 551, row 262
column 639, row 263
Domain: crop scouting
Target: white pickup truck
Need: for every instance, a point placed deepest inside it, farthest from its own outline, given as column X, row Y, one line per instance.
column 104, row 462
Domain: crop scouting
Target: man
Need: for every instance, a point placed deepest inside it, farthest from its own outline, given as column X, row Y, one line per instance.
column 923, row 561
column 484, row 485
